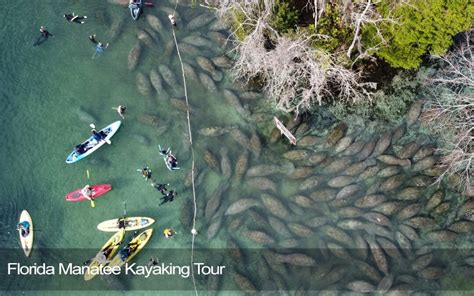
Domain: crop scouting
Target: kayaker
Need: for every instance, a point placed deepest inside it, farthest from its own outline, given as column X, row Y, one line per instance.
column 74, row 18
column 160, row 187
column 168, row 232
column 24, row 227
column 146, row 173
column 80, row 148
column 121, row 110
column 87, row 192
column 172, row 160
column 98, row 136
column 169, row 197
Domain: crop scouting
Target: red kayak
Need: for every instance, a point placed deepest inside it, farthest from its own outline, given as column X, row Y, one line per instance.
column 98, row 190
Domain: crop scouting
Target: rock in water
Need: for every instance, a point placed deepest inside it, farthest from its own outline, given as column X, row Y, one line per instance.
column 207, row 82
column 134, row 57
column 241, row 164
column 154, row 23
column 200, row 21
column 226, row 167
column 414, row 112
column 157, row 83
column 143, row 84
column 241, row 205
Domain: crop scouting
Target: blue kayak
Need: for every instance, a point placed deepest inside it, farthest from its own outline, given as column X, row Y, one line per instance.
column 90, row 145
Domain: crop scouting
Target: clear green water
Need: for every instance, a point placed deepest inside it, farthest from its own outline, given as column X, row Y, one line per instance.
column 42, row 92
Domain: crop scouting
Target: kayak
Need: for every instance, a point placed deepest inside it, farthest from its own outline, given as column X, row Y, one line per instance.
column 131, row 224
column 131, row 249
column 168, row 164
column 97, row 190
column 91, row 144
column 105, row 254
column 136, row 8
column 27, row 241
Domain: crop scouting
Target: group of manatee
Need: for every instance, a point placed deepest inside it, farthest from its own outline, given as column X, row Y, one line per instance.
column 363, row 214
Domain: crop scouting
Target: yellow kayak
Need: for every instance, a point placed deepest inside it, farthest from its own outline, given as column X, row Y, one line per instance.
column 131, row 249
column 128, row 223
column 26, row 236
column 105, row 254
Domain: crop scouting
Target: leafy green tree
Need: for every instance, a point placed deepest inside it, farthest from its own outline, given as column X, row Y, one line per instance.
column 422, row 27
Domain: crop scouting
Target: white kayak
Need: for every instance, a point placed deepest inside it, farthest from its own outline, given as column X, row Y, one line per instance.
column 90, row 145
column 128, row 223
column 27, row 239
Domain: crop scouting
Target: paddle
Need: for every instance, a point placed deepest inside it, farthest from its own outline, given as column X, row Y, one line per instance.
column 104, row 139
column 92, row 200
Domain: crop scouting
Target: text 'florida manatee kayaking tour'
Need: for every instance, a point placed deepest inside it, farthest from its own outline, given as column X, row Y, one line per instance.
column 133, row 269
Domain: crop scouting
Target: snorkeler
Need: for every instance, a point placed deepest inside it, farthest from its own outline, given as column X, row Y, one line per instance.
column 169, row 197
column 99, row 46
column 44, row 36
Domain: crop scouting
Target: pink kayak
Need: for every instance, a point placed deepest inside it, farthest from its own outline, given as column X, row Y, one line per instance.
column 98, row 190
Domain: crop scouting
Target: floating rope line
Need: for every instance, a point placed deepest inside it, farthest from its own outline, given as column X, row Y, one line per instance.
column 193, row 231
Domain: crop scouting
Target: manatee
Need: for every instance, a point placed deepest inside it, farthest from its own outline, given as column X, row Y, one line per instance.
column 226, row 63
column 300, row 230
column 149, row 119
column 462, row 227
column 179, row 104
column 211, row 160
column 116, row 28
column 241, row 164
column 189, row 50
column 361, row 287
column 275, row 206
column 145, row 38
column 200, row 21
column 414, row 112
column 377, row 218
column 434, row 200
column 244, row 284
column 233, row 100
column 303, row 201
column 208, row 66
column 354, row 148
column 441, row 208
column 134, row 56
column 301, row 129
column 335, row 275
column 214, row 227
column 375, row 229
column 240, row 138
column 316, row 158
column 317, row 221
column 341, row 181
column 366, row 150
column 170, row 78
column 424, row 164
column 409, row 232
column 382, row 144
column 157, row 83
column 392, row 160
column 259, row 237
column 367, row 270
column 288, row 243
column 263, row 170
column 170, row 47
column 409, row 193
column 226, row 167
column 370, row 201
column 262, row 183
column 343, row 144
column 389, row 248
column 255, row 145
column 398, row 133
column 349, row 212
column 392, row 183
column 420, row 181
column 351, row 224
column 141, row 139
column 218, row 25
column 85, row 116
column 295, row 259
column 299, row 154
column 279, row 226
column 389, row 171
column 208, row 83
column 431, row 273
column 143, row 84
column 338, row 165
column 197, row 41
column 466, row 211
column 409, row 150
column 214, row 201
column 189, row 72
column 309, row 141
column 323, row 195
column 301, row 172
column 218, row 37
column 241, row 205
column 424, row 223
column 337, row 235
column 389, row 208
column 369, row 172
column 310, row 183
column 378, row 255
column 358, row 167
column 336, row 134
column 155, row 23
column 409, row 211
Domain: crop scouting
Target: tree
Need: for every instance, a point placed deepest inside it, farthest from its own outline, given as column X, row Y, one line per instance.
column 424, row 26
column 450, row 113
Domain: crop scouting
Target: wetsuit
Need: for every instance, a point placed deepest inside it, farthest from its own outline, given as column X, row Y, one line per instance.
column 169, row 197
column 74, row 18
column 44, row 36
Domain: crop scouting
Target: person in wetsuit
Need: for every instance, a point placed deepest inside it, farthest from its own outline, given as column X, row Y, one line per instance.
column 169, row 197
column 160, row 187
column 44, row 36
column 74, row 18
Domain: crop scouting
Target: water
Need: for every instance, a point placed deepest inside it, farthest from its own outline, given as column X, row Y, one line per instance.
column 48, row 93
